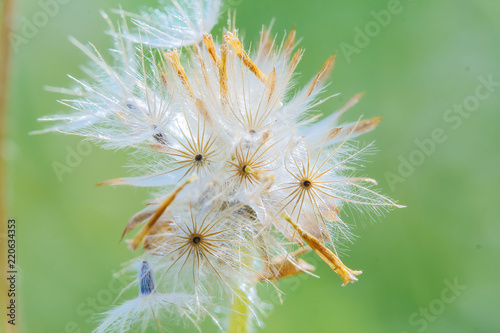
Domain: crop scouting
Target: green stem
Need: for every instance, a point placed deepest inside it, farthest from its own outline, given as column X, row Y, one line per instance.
column 240, row 316
column 6, row 20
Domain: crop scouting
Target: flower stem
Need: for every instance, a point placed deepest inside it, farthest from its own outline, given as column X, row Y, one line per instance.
column 240, row 316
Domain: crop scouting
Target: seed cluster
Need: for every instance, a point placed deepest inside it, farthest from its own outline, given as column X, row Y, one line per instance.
column 246, row 178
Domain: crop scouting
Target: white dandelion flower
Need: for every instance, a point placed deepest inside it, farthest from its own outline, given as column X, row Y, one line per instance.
column 246, row 178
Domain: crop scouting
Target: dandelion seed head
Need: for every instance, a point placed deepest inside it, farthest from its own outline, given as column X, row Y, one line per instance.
column 245, row 178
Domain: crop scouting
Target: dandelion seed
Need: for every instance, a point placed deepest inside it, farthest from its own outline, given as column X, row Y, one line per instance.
column 146, row 279
column 148, row 308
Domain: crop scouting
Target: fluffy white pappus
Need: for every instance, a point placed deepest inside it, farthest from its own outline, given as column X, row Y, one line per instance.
column 210, row 248
column 207, row 248
column 175, row 24
column 104, row 89
column 318, row 183
column 119, row 106
column 151, row 307
column 192, row 147
column 238, row 121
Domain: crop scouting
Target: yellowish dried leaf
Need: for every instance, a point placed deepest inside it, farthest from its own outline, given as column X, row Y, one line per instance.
column 137, row 240
column 286, row 265
column 346, row 274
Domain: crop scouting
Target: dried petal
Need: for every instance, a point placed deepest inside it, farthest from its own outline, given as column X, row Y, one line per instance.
column 137, row 240
column 346, row 274
column 286, row 265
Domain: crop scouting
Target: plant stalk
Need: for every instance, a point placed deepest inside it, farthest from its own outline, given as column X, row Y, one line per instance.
column 6, row 21
column 240, row 315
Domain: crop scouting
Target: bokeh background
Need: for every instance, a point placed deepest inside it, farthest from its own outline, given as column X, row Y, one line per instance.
column 427, row 59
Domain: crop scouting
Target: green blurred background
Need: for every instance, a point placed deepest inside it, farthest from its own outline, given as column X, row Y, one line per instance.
column 424, row 61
